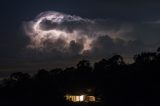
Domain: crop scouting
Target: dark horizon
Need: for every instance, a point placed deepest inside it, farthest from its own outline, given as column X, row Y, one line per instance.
column 89, row 29
column 109, row 82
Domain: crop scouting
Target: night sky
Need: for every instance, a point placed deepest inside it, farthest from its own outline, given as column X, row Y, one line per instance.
column 83, row 29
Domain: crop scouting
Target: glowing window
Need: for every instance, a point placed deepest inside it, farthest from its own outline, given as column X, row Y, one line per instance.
column 81, row 98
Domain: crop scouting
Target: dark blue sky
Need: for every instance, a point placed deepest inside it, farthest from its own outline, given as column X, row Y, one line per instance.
column 15, row 12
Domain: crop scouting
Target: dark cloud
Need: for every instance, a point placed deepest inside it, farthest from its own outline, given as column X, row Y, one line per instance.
column 108, row 37
column 146, row 32
column 123, row 27
column 47, row 25
column 75, row 47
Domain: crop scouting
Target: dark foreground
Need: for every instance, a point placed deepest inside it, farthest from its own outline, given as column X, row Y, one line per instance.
column 111, row 80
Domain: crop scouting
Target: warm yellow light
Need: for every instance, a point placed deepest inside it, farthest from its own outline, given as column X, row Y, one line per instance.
column 91, row 98
column 81, row 98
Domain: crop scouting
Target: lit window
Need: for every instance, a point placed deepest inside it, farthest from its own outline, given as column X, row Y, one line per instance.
column 81, row 98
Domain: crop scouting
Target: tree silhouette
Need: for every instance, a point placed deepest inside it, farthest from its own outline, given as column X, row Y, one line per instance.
column 145, row 58
column 84, row 66
column 116, row 60
column 111, row 80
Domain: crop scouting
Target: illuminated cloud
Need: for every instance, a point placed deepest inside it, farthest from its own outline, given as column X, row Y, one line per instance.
column 59, row 36
column 57, row 31
column 54, row 31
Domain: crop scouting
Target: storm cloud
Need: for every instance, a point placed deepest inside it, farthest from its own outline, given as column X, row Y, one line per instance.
column 85, row 30
column 67, row 36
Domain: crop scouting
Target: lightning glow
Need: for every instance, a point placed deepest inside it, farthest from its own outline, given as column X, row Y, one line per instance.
column 38, row 36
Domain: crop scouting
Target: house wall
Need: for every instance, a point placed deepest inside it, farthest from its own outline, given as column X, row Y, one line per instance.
column 73, row 98
column 80, row 98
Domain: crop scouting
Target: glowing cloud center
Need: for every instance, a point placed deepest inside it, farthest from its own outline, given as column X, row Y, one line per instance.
column 40, row 36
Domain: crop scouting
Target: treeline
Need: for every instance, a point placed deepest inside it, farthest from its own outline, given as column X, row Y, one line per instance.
column 114, row 81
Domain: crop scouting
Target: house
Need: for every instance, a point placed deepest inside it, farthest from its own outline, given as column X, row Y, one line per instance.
column 85, row 95
column 80, row 98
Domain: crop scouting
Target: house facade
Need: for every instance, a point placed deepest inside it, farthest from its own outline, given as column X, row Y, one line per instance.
column 80, row 98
